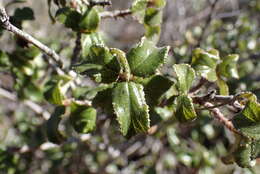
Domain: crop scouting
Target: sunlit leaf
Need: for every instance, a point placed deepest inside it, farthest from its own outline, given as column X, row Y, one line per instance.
column 144, row 59
column 228, row 66
column 130, row 107
column 185, row 76
column 138, row 9
column 89, row 21
column 185, row 110
column 223, row 87
column 205, row 63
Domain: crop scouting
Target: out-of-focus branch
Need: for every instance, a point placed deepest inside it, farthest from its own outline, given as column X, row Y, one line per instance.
column 33, row 106
column 77, row 49
column 207, row 23
column 116, row 13
column 6, row 24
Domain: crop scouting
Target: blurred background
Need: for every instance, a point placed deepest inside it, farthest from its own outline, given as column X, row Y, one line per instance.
column 231, row 26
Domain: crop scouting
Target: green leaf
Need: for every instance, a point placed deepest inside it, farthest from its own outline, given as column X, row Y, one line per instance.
column 185, row 76
column 83, row 118
column 87, row 41
column 130, row 107
column 92, row 92
column 244, row 97
column 25, row 13
column 154, row 91
column 4, row 60
column 205, row 63
column 138, row 9
column 252, row 111
column 152, row 33
column 153, row 17
column 55, row 90
column 89, row 21
column 103, row 99
column 100, row 64
column 246, row 126
column 243, row 155
column 228, row 66
column 69, row 17
column 53, row 133
column 223, row 87
column 185, row 110
column 144, row 59
column 255, row 149
column 123, row 63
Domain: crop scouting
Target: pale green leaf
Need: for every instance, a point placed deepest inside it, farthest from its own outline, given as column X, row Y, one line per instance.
column 55, row 94
column 88, row 40
column 205, row 63
column 138, row 9
column 223, row 87
column 185, row 76
column 228, row 66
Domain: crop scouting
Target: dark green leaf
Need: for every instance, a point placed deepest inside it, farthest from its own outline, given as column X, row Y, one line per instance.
column 130, row 107
column 89, row 21
column 246, row 126
column 185, row 110
column 100, row 64
column 205, row 63
column 103, row 99
column 25, row 13
column 144, row 59
column 69, row 17
column 92, row 92
column 154, row 91
column 185, row 76
column 123, row 63
column 53, row 133
column 243, row 155
column 83, row 118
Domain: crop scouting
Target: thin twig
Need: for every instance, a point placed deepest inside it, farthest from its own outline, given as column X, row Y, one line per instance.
column 6, row 24
column 116, row 13
column 221, row 118
column 100, row 3
column 77, row 49
column 196, row 88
